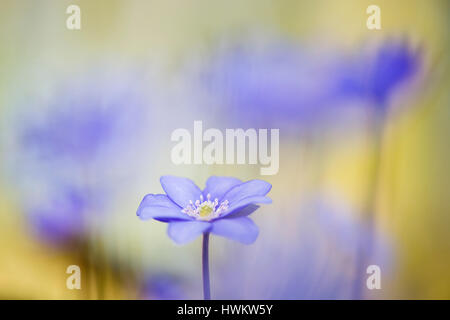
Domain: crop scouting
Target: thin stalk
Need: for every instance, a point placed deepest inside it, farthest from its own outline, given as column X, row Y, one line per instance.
column 205, row 267
column 365, row 249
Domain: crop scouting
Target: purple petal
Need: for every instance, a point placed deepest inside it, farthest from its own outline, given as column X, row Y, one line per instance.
column 245, row 211
column 180, row 190
column 235, row 206
column 241, row 229
column 160, row 207
column 247, row 189
column 218, row 186
column 184, row 231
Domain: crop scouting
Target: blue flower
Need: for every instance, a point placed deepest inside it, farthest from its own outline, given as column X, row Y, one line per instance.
column 162, row 287
column 68, row 147
column 282, row 82
column 278, row 81
column 83, row 126
column 222, row 208
column 394, row 63
column 376, row 75
column 61, row 219
column 314, row 257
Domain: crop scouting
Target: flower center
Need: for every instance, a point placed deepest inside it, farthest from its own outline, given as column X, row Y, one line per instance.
column 205, row 210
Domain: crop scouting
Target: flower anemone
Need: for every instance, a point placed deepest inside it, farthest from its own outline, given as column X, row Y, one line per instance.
column 281, row 82
column 66, row 147
column 395, row 63
column 222, row 208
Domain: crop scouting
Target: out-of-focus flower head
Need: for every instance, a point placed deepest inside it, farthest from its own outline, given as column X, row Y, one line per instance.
column 270, row 80
column 395, row 63
column 162, row 287
column 74, row 130
column 60, row 219
column 315, row 257
column 84, row 121
column 374, row 75
column 73, row 148
column 280, row 80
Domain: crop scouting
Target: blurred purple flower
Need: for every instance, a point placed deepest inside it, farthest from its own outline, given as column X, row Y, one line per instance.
column 76, row 134
column 395, row 63
column 375, row 76
column 59, row 220
column 68, row 152
column 282, row 81
column 273, row 81
column 162, row 287
column 83, row 124
column 314, row 258
column 221, row 208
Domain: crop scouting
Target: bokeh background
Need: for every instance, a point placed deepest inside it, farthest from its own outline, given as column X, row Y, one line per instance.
column 85, row 124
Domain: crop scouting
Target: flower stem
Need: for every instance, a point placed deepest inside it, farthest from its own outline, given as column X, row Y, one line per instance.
column 205, row 267
column 366, row 250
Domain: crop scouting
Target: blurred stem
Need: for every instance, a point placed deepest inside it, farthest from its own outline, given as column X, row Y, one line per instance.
column 82, row 251
column 205, row 267
column 100, row 267
column 365, row 249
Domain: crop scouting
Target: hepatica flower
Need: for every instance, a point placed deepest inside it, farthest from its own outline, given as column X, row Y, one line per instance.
column 320, row 251
column 282, row 80
column 67, row 148
column 222, row 208
column 395, row 63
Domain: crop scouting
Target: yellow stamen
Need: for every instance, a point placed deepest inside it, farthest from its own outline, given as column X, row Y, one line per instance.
column 205, row 211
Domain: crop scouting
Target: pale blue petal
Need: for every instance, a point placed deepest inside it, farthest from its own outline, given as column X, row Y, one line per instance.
column 218, row 186
column 180, row 190
column 247, row 189
column 160, row 207
column 235, row 206
column 245, row 211
column 241, row 229
column 185, row 231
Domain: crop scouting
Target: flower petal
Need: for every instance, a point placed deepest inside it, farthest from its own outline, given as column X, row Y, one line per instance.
column 236, row 206
column 241, row 229
column 245, row 211
column 247, row 189
column 246, row 193
column 180, row 190
column 184, row 231
column 160, row 207
column 218, row 186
